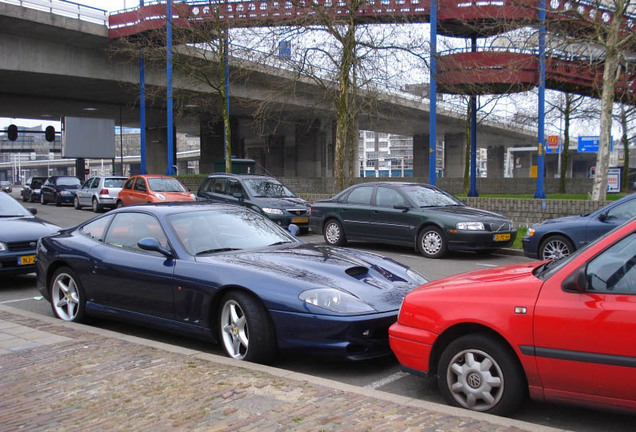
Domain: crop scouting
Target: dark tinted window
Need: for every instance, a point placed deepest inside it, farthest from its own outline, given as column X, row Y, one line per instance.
column 95, row 229
column 614, row 270
column 140, row 185
column 626, row 210
column 113, row 182
column 129, row 183
column 360, row 195
column 128, row 228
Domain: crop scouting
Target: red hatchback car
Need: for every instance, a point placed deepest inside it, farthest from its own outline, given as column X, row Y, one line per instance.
column 559, row 331
column 151, row 188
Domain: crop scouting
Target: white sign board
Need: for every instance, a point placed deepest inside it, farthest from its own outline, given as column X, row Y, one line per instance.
column 88, row 138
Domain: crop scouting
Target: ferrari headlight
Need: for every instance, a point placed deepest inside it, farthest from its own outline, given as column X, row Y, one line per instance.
column 3, row 247
column 416, row 276
column 272, row 211
column 470, row 226
column 335, row 301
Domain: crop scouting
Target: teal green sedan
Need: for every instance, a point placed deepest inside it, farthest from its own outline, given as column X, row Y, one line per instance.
column 411, row 214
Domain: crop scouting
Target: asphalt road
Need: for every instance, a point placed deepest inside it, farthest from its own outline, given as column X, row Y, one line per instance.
column 384, row 375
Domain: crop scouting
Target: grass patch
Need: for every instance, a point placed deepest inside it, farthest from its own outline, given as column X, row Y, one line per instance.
column 521, row 232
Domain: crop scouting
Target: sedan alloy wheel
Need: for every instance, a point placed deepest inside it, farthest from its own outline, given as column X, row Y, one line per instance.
column 555, row 247
column 334, row 235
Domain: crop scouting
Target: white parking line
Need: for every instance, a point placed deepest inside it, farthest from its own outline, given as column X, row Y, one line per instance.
column 38, row 298
column 384, row 381
column 486, row 265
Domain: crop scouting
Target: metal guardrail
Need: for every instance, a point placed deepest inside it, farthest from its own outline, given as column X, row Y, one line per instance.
column 64, row 8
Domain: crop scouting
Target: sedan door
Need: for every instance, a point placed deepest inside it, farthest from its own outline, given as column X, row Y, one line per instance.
column 129, row 278
column 84, row 193
column 356, row 213
column 392, row 218
column 584, row 340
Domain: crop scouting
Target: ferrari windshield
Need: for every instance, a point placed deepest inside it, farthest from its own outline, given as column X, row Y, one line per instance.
column 210, row 231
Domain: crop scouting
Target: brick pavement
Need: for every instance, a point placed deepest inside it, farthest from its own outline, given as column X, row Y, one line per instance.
column 56, row 376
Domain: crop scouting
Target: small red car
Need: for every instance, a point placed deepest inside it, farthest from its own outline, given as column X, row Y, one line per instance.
column 560, row 331
column 152, row 188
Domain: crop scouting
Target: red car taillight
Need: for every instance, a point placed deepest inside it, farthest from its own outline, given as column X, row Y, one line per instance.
column 103, row 192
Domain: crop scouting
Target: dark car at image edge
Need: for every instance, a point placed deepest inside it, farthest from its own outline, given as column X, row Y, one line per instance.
column 410, row 214
column 19, row 233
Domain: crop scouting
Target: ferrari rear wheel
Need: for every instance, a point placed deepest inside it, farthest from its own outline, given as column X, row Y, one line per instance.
column 67, row 297
column 245, row 330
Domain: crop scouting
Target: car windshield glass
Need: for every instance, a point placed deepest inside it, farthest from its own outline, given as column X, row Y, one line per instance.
column 426, row 197
column 68, row 181
column 114, row 183
column 165, row 185
column 209, row 231
column 267, row 188
column 10, row 207
column 36, row 183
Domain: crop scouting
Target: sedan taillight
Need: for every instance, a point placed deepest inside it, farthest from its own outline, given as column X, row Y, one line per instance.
column 103, row 192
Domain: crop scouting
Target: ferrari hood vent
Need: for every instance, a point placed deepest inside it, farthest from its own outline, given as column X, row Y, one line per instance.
column 357, row 271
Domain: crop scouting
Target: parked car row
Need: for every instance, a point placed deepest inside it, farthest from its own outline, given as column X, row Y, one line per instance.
column 556, row 329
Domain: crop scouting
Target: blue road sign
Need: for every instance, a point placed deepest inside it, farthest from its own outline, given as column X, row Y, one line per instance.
column 590, row 144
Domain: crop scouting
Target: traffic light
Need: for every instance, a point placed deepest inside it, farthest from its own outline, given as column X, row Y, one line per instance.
column 49, row 133
column 12, row 132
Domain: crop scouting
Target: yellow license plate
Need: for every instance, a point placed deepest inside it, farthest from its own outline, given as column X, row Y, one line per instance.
column 26, row 260
column 300, row 220
column 502, row 237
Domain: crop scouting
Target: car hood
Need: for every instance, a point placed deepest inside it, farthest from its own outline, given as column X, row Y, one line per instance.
column 465, row 211
column 568, row 220
column 20, row 229
column 487, row 280
column 378, row 281
column 282, row 203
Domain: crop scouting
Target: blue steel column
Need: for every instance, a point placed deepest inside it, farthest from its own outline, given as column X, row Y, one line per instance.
column 432, row 128
column 541, row 138
column 473, row 147
column 170, row 170
column 142, row 107
column 226, row 76
column 473, row 136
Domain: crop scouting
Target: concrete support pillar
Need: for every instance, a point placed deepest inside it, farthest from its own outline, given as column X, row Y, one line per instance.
column 309, row 144
column 157, row 150
column 495, row 164
column 454, row 155
column 212, row 144
column 421, row 156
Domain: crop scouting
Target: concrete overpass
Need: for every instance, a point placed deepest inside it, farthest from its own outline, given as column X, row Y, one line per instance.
column 53, row 66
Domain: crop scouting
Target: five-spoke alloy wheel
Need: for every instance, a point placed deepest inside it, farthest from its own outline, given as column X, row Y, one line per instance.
column 245, row 330
column 67, row 296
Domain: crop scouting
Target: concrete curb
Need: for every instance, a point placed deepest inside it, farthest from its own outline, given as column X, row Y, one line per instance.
column 295, row 376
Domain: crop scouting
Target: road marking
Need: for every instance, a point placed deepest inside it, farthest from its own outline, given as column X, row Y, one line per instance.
column 388, row 380
column 486, row 265
column 38, row 298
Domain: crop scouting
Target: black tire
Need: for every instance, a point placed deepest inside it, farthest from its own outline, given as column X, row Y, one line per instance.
column 245, row 331
column 42, row 199
column 492, row 382
column 97, row 207
column 431, row 242
column 31, row 199
column 120, row 204
column 57, row 200
column 67, row 296
column 334, row 233
column 555, row 247
column 76, row 203
column 24, row 198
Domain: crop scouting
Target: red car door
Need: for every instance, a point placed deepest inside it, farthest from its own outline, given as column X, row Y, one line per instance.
column 584, row 341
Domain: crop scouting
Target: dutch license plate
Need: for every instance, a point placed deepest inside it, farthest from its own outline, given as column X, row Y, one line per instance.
column 300, row 220
column 26, row 260
column 501, row 237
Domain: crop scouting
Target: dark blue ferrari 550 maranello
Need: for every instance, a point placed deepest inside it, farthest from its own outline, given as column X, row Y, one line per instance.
column 226, row 273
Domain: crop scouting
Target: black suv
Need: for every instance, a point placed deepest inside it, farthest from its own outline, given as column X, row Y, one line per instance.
column 263, row 194
column 31, row 190
column 59, row 190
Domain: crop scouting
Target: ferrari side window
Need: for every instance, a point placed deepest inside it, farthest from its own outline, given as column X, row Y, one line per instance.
column 95, row 230
column 128, row 228
column 614, row 270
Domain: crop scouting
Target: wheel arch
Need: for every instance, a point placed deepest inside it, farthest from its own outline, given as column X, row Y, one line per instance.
column 329, row 217
column 459, row 330
column 215, row 305
column 52, row 268
column 422, row 227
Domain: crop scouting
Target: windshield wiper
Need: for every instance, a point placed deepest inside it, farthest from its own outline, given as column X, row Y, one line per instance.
column 215, row 250
column 8, row 216
column 280, row 243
